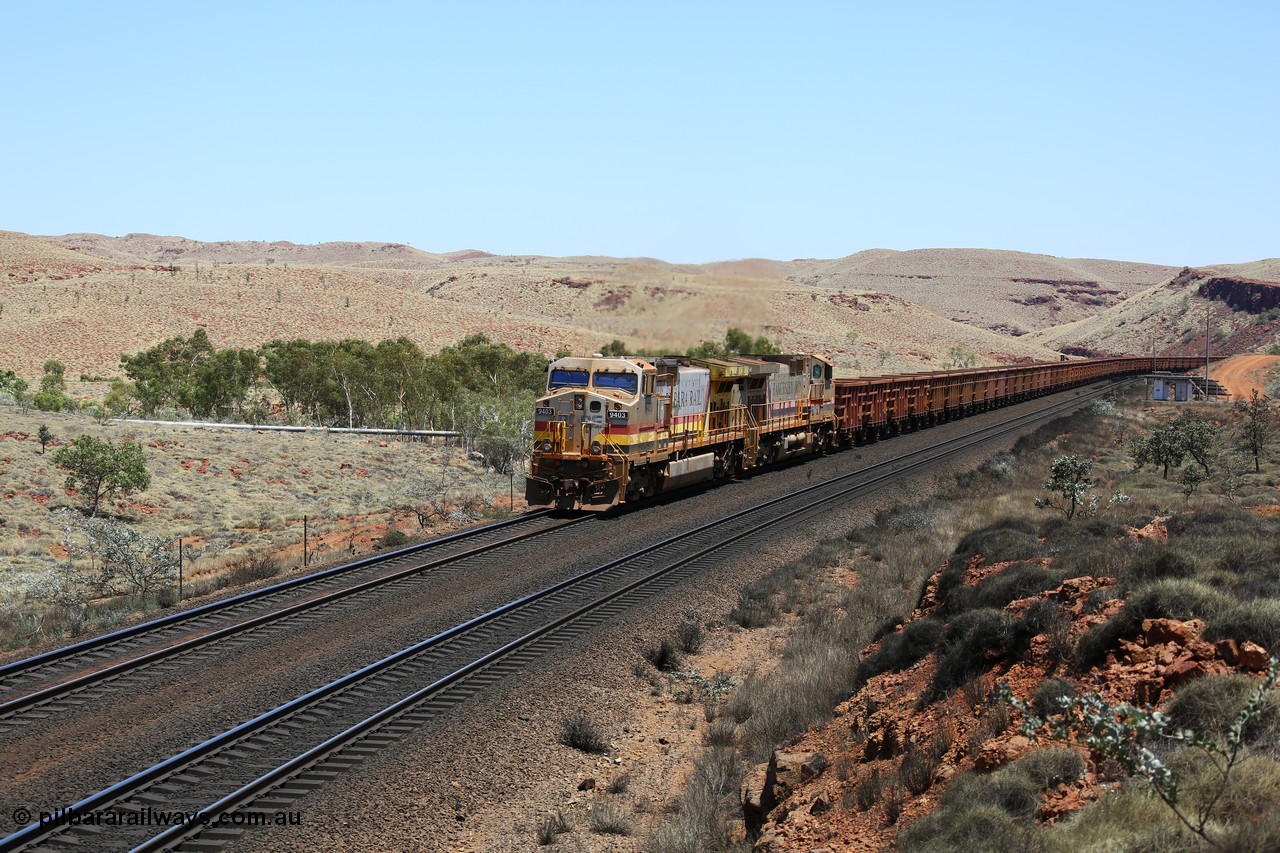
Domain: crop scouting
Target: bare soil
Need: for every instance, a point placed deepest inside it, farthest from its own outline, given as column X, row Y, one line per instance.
column 1245, row 374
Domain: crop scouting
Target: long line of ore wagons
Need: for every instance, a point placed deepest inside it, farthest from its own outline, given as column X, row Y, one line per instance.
column 614, row 430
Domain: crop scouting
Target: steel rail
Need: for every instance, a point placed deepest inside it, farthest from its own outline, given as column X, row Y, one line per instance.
column 134, row 630
column 238, row 734
column 103, row 673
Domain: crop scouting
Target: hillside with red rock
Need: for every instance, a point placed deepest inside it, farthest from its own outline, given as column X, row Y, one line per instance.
column 893, row 749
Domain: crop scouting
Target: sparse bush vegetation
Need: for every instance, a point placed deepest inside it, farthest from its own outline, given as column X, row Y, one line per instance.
column 867, row 792
column 619, row 783
column 1157, row 563
column 892, row 798
column 664, row 657
column 1049, row 767
column 580, row 733
column 1209, row 706
column 900, row 650
column 1052, row 696
column 607, row 819
column 917, row 769
column 1005, row 540
column 255, row 568
column 755, row 608
column 970, row 635
column 551, row 826
column 1218, row 565
column 689, row 634
column 722, row 732
column 1020, row 580
column 1122, row 734
column 1177, row 598
column 393, row 539
column 993, row 812
column 698, row 823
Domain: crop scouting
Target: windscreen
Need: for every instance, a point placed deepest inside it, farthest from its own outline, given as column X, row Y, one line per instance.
column 618, row 381
column 561, row 378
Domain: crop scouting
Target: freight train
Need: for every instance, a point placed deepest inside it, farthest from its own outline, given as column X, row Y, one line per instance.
column 616, row 430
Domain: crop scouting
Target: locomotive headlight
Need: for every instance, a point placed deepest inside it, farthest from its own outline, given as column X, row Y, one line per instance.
column 546, row 446
column 595, row 448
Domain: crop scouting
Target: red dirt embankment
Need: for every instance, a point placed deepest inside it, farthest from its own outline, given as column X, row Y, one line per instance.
column 1244, row 374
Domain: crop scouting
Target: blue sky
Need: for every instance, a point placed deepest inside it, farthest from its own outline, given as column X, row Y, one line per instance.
column 689, row 132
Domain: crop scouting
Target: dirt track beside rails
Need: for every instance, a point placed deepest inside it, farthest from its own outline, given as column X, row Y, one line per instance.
column 1244, row 374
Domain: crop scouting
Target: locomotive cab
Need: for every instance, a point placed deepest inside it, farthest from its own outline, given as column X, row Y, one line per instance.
column 613, row 430
column 584, row 427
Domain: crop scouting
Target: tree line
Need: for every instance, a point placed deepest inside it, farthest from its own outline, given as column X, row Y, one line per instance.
column 477, row 387
column 354, row 383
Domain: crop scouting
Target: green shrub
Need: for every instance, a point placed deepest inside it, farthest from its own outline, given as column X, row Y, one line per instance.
column 1209, row 705
column 1007, row 539
column 1177, row 598
column 1047, row 768
column 899, row 651
column 969, row 636
column 1048, row 696
column 393, row 539
column 1020, row 580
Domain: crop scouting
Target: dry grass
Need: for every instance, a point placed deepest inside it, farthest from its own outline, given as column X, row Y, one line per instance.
column 233, row 495
column 114, row 295
column 988, row 514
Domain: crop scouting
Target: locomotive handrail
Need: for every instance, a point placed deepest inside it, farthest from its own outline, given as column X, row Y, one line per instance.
column 859, row 409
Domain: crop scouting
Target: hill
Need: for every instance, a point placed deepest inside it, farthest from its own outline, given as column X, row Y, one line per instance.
column 86, row 298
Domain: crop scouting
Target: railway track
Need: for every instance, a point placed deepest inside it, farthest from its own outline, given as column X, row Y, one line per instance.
column 36, row 687
column 265, row 764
